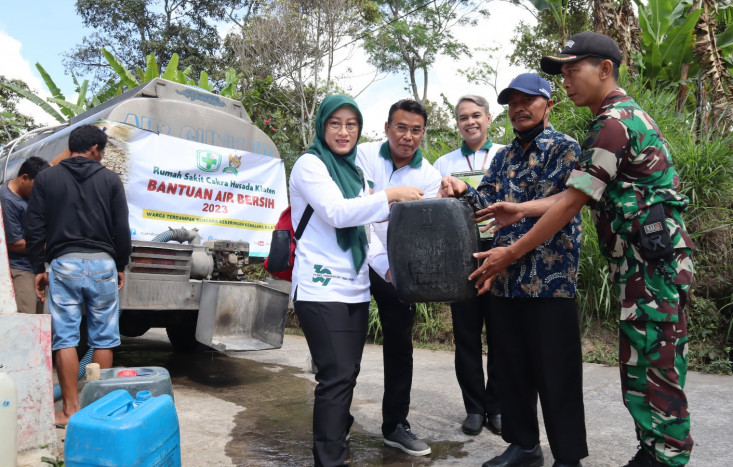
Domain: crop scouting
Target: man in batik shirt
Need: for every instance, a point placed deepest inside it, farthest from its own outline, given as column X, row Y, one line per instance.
column 534, row 317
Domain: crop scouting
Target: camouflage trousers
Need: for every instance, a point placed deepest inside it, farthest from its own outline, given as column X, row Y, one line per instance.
column 653, row 360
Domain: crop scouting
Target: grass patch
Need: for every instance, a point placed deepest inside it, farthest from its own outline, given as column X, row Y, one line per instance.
column 600, row 344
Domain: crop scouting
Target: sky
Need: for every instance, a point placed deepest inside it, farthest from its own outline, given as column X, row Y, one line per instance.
column 41, row 31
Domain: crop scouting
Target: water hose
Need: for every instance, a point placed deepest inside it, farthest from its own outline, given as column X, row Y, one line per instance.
column 180, row 235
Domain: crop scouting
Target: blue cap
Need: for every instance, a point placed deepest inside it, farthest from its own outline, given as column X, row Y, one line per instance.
column 528, row 83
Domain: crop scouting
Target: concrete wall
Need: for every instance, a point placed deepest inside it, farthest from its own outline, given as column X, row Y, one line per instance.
column 25, row 352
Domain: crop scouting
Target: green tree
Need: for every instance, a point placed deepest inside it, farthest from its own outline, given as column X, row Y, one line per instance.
column 294, row 44
column 415, row 33
column 441, row 136
column 133, row 29
column 556, row 22
column 616, row 19
column 688, row 45
column 12, row 122
column 714, row 52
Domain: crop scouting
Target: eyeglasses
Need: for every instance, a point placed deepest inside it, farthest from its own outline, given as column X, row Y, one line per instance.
column 402, row 129
column 335, row 125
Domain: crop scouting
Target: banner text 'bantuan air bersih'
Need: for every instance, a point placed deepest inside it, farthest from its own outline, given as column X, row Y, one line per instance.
column 171, row 182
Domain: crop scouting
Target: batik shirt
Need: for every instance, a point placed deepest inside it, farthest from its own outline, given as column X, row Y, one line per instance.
column 626, row 168
column 516, row 176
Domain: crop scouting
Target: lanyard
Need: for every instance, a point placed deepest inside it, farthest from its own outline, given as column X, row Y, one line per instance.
column 483, row 165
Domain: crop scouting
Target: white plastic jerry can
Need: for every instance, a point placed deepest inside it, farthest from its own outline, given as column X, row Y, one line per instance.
column 8, row 422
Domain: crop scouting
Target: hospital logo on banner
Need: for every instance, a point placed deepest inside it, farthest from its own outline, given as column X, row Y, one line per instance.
column 207, row 160
column 234, row 163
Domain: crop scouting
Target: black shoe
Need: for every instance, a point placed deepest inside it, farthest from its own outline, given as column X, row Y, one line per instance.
column 493, row 423
column 644, row 458
column 472, row 424
column 515, row 456
column 567, row 464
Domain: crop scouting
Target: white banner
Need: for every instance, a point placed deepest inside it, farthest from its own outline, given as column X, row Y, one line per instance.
column 225, row 193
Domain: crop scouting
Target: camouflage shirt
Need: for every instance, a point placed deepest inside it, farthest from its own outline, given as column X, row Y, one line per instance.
column 626, row 168
column 550, row 270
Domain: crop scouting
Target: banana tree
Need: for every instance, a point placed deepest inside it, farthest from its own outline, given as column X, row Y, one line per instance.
column 667, row 40
column 171, row 73
column 715, row 56
column 65, row 109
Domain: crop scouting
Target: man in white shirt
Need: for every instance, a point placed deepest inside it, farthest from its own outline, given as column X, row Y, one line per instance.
column 397, row 162
column 469, row 163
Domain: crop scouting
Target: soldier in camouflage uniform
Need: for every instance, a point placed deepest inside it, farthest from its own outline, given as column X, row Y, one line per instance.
column 627, row 177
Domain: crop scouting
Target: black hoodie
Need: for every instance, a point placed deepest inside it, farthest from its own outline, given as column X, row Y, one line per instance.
column 77, row 206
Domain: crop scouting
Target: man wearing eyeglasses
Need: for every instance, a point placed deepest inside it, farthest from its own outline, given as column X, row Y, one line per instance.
column 398, row 162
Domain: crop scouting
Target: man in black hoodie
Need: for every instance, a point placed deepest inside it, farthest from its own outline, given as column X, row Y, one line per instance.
column 77, row 220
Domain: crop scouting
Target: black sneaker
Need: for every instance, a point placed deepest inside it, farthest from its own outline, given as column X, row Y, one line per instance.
column 644, row 458
column 403, row 438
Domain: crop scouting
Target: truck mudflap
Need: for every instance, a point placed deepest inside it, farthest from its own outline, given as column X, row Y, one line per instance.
column 239, row 316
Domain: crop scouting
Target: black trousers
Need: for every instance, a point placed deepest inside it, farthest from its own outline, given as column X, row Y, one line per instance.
column 480, row 393
column 336, row 333
column 538, row 353
column 396, row 318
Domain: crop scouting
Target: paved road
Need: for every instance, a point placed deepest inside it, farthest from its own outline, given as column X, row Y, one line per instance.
column 437, row 409
column 254, row 409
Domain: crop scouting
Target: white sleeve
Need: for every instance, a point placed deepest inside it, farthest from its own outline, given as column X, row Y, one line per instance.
column 311, row 180
column 377, row 258
column 432, row 182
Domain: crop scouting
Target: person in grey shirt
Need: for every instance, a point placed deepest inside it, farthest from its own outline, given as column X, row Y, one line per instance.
column 14, row 198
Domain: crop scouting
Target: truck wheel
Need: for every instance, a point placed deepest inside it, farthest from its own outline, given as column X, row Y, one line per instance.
column 133, row 324
column 183, row 337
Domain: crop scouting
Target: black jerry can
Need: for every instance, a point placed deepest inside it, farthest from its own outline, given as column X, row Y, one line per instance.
column 429, row 246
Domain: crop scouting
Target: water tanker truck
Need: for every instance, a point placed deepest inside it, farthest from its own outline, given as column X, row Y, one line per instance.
column 213, row 215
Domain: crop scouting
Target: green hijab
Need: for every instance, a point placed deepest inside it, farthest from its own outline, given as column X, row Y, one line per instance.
column 343, row 171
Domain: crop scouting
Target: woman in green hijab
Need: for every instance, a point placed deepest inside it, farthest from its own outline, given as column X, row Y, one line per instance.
column 332, row 258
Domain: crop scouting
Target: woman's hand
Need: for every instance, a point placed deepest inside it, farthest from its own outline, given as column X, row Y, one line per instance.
column 403, row 193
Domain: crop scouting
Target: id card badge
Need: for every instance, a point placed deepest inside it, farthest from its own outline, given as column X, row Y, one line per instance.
column 473, row 178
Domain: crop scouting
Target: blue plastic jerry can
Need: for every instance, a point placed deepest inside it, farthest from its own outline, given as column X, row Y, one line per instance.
column 119, row 430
